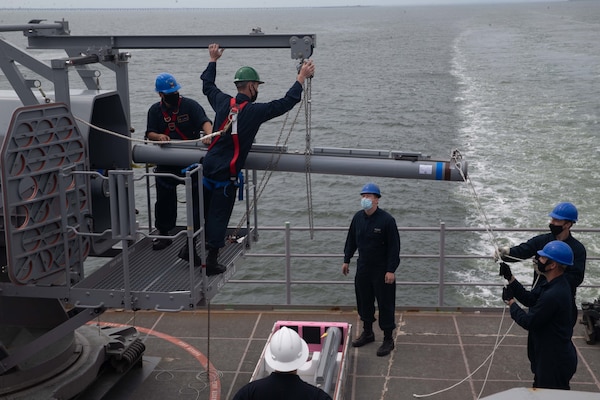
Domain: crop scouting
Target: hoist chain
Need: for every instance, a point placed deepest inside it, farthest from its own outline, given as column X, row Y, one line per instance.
column 307, row 153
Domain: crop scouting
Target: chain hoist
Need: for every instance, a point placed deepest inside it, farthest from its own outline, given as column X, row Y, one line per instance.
column 307, row 153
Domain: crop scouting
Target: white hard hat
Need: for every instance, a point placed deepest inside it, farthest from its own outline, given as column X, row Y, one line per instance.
column 287, row 351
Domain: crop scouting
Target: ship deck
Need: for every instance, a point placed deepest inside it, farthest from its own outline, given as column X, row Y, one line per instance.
column 435, row 350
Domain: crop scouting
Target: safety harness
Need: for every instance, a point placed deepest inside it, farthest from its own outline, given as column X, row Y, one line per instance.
column 237, row 179
column 171, row 119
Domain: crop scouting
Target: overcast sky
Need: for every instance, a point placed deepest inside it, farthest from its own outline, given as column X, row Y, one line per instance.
column 227, row 3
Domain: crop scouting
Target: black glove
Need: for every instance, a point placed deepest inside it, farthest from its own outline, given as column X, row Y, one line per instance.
column 507, row 294
column 505, row 271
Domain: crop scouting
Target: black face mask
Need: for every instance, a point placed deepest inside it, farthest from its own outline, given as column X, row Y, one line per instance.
column 556, row 229
column 171, row 99
column 254, row 96
column 542, row 266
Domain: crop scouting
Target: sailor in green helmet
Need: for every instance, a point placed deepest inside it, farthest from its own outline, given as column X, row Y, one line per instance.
column 227, row 153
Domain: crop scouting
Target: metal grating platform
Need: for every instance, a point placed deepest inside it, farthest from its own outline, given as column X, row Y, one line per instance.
column 157, row 280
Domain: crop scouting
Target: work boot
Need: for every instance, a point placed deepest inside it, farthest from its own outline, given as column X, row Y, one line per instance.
column 161, row 243
column 364, row 338
column 386, row 347
column 212, row 264
column 184, row 254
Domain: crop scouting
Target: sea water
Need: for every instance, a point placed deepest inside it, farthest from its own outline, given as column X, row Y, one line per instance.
column 514, row 87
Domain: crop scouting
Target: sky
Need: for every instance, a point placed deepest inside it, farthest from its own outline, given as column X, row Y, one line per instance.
column 230, row 3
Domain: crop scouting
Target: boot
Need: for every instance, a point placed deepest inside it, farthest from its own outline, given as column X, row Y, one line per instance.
column 212, row 265
column 364, row 338
column 161, row 243
column 386, row 347
column 184, row 254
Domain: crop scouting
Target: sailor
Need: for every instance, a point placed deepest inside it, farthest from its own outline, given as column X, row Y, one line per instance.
column 174, row 117
column 286, row 352
column 549, row 319
column 227, row 153
column 562, row 218
column 373, row 232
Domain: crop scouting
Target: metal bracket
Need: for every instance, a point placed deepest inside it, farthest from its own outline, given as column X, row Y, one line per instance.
column 302, row 48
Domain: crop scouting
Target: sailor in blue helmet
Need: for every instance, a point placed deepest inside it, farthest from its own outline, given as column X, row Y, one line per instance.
column 562, row 218
column 549, row 319
column 373, row 232
column 174, row 117
column 227, row 153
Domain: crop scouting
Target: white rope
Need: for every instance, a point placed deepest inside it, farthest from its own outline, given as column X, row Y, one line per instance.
column 264, row 180
column 121, row 136
column 498, row 342
column 499, row 339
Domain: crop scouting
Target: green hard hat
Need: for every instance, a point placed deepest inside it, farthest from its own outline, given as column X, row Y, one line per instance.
column 247, row 74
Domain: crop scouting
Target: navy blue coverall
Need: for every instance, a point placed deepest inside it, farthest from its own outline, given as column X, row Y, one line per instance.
column 377, row 240
column 549, row 321
column 279, row 386
column 219, row 201
column 574, row 273
column 187, row 121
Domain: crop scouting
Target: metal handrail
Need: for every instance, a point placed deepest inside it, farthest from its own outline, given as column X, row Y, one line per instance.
column 287, row 255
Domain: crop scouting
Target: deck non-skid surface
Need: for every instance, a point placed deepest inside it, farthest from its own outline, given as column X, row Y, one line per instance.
column 434, row 351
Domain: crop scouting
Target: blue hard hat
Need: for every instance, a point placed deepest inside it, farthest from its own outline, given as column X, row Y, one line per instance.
column 371, row 188
column 166, row 83
column 558, row 251
column 564, row 211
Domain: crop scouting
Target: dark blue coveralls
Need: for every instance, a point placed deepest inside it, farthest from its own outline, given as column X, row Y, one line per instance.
column 279, row 386
column 219, row 201
column 377, row 240
column 187, row 121
column 574, row 273
column 549, row 321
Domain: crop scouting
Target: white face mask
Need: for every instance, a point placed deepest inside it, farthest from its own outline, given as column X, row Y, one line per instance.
column 366, row 203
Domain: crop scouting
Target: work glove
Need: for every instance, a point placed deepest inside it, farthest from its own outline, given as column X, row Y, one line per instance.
column 501, row 252
column 507, row 294
column 505, row 271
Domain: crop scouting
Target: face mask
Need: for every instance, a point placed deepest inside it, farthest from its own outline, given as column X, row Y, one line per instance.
column 254, row 96
column 542, row 266
column 366, row 203
column 556, row 229
column 171, row 99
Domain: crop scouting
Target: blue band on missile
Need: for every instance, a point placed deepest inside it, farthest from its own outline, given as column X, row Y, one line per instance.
column 439, row 171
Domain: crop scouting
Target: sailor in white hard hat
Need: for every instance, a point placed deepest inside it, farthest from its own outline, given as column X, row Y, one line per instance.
column 286, row 352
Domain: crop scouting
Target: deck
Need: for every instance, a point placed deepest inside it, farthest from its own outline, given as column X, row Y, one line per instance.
column 434, row 351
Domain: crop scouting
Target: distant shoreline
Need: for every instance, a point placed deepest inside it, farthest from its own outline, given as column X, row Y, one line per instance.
column 177, row 8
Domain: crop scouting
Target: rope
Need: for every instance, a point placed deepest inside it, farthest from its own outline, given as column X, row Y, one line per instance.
column 264, row 180
column 456, row 156
column 121, row 136
column 498, row 342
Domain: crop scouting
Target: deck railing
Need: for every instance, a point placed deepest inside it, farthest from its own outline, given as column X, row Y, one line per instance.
column 291, row 251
